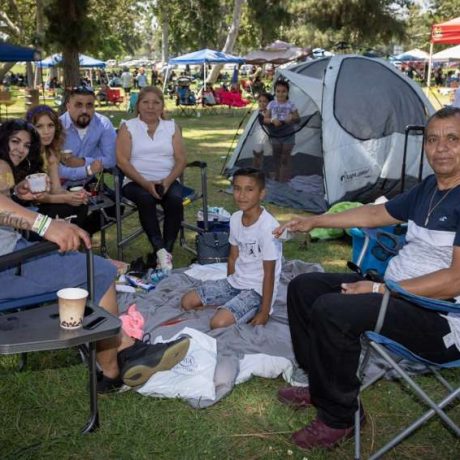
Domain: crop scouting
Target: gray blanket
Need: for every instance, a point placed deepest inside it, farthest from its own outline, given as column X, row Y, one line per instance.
column 162, row 305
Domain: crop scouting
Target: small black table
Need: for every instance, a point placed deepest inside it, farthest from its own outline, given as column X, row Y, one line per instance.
column 38, row 330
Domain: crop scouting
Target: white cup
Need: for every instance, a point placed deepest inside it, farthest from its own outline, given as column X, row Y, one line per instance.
column 72, row 303
column 77, row 188
column 37, row 182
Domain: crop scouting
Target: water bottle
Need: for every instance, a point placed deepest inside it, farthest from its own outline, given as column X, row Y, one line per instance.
column 157, row 276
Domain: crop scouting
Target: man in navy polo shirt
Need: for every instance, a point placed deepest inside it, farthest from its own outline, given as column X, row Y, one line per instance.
column 328, row 312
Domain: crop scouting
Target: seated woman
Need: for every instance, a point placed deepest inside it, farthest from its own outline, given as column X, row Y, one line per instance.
column 206, row 96
column 28, row 159
column 151, row 154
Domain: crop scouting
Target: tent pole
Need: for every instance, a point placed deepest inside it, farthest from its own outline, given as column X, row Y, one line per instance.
column 428, row 78
column 204, row 75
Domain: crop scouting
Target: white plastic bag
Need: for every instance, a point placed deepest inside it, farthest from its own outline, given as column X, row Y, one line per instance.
column 193, row 377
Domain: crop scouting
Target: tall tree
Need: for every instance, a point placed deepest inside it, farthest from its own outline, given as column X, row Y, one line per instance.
column 71, row 30
column 359, row 22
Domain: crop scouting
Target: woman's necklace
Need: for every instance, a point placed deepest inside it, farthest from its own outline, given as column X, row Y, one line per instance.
column 432, row 207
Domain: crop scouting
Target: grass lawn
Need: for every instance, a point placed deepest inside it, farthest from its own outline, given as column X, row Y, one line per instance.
column 43, row 407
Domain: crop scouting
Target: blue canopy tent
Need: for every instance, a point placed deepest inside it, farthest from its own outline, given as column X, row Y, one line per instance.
column 204, row 56
column 56, row 59
column 15, row 53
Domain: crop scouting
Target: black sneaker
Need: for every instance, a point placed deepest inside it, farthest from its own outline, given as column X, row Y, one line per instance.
column 140, row 361
column 107, row 385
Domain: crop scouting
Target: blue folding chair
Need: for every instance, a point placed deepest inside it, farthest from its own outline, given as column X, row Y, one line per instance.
column 382, row 345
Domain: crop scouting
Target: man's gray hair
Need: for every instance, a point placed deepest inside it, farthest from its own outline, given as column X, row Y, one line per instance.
column 445, row 112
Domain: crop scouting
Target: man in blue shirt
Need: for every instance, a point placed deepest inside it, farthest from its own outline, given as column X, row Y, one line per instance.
column 89, row 135
column 328, row 312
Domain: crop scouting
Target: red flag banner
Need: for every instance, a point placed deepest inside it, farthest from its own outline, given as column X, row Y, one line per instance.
column 446, row 32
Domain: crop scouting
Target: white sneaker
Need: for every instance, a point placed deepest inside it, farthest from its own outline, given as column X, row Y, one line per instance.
column 164, row 260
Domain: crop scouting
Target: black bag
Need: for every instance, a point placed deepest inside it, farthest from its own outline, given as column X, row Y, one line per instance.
column 212, row 247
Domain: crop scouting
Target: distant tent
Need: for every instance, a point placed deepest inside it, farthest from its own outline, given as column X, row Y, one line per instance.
column 85, row 61
column 412, row 55
column 15, row 53
column 349, row 142
column 447, row 33
column 449, row 54
column 206, row 56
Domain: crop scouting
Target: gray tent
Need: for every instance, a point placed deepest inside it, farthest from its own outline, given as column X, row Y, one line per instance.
column 350, row 139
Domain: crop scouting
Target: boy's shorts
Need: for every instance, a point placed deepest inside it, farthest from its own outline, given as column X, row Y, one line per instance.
column 242, row 303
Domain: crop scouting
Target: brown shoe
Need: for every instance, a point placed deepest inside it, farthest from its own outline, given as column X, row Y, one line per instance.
column 296, row 397
column 318, row 435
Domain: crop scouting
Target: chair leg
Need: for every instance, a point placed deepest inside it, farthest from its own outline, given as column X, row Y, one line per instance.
column 358, row 431
column 22, row 362
column 93, row 421
column 435, row 408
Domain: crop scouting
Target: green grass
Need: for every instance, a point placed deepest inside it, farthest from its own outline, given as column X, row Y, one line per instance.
column 44, row 407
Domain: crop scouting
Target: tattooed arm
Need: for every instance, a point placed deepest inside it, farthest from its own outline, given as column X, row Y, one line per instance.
column 67, row 236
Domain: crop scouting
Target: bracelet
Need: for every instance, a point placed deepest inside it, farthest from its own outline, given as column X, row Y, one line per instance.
column 41, row 224
column 376, row 288
column 89, row 172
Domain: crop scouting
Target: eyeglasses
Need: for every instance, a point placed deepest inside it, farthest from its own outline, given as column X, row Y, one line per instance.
column 81, row 90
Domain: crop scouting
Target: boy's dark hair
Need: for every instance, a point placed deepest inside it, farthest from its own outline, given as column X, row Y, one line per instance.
column 254, row 173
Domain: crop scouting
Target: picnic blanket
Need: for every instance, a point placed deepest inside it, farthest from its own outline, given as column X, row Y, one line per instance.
column 241, row 351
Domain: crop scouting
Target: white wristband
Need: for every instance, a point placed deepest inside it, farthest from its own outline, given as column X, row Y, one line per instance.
column 89, row 171
column 376, row 288
column 41, row 224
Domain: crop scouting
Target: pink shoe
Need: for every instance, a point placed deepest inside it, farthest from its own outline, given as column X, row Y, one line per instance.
column 318, row 435
column 296, row 397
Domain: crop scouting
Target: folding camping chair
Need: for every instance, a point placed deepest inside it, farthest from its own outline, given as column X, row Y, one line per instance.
column 37, row 329
column 126, row 208
column 382, row 346
column 185, row 97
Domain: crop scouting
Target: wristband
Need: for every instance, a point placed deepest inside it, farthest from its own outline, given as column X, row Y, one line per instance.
column 89, row 172
column 41, row 224
column 376, row 288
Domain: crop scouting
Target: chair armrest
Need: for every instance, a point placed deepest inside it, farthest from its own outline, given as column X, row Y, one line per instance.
column 16, row 257
column 442, row 306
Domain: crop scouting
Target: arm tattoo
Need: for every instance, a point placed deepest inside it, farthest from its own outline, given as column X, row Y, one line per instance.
column 9, row 219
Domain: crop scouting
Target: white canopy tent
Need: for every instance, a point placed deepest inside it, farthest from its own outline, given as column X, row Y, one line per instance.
column 449, row 54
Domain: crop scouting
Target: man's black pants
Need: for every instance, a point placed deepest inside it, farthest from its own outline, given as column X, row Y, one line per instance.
column 326, row 327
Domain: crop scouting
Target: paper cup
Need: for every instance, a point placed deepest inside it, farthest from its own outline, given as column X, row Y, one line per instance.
column 72, row 302
column 78, row 188
column 37, row 182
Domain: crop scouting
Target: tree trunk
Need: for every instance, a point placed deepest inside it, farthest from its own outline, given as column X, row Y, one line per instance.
column 165, row 39
column 231, row 38
column 71, row 65
column 4, row 69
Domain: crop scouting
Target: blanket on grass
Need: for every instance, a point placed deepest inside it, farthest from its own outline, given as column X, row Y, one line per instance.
column 240, row 350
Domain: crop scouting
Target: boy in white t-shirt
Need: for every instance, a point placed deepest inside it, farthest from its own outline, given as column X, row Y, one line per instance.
column 254, row 263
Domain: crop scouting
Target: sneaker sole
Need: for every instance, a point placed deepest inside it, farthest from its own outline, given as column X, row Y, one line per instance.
column 137, row 375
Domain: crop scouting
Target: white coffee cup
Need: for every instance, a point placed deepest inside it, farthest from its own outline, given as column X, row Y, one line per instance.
column 37, row 182
column 77, row 188
column 72, row 302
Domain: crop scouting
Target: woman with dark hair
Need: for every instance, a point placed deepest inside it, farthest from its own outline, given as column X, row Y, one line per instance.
column 41, row 154
column 20, row 148
column 151, row 154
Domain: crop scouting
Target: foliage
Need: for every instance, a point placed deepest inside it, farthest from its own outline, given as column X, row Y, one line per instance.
column 359, row 22
column 444, row 10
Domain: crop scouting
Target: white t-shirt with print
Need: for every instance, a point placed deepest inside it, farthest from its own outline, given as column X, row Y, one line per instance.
column 281, row 110
column 255, row 243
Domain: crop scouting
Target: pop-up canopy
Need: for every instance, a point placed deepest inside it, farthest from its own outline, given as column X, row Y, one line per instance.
column 15, row 53
column 56, row 59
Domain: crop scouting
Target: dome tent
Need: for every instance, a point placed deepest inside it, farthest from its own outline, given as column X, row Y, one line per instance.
column 354, row 112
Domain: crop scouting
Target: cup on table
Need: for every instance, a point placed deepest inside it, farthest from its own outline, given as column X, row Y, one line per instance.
column 37, row 182
column 72, row 302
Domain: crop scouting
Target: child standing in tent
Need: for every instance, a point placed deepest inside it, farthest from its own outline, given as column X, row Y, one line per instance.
column 261, row 137
column 280, row 117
